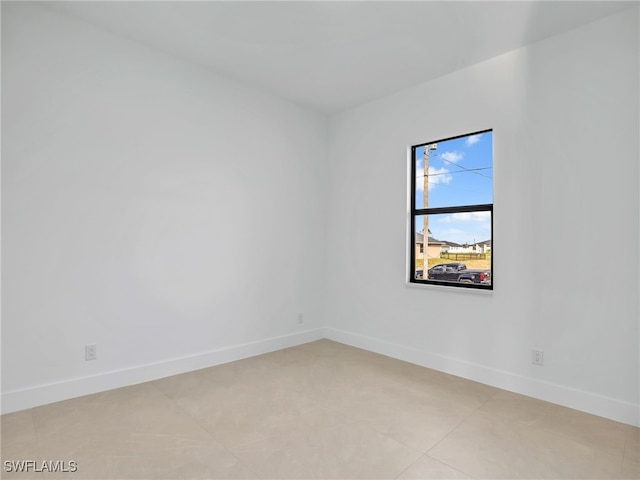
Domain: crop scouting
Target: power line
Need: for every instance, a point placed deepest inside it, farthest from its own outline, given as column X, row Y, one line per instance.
column 471, row 170
column 462, row 168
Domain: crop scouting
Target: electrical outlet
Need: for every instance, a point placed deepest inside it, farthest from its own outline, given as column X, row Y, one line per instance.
column 300, row 318
column 537, row 357
column 90, row 352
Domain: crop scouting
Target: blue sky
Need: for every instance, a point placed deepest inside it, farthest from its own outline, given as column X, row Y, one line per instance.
column 460, row 173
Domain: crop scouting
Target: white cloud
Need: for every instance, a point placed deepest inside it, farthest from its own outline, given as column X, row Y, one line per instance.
column 473, row 139
column 467, row 217
column 452, row 157
column 464, row 227
column 451, row 233
column 437, row 176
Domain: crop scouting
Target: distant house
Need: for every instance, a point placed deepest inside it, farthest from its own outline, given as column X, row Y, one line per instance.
column 419, row 245
column 434, row 246
column 483, row 247
column 478, row 247
column 447, row 246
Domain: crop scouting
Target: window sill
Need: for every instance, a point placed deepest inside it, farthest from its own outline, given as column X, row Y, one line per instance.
column 447, row 288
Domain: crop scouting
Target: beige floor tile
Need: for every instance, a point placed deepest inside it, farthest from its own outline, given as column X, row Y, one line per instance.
column 320, row 410
column 18, row 456
column 597, row 432
column 108, row 421
column 336, row 448
column 414, row 418
column 348, row 367
column 19, row 445
column 427, row 468
column 484, row 447
column 283, row 367
column 632, row 447
column 458, row 390
column 238, row 418
column 331, row 379
column 135, row 432
column 155, row 457
column 111, row 409
column 374, row 388
column 17, row 428
column 630, row 470
column 199, row 381
column 272, row 372
column 411, row 404
column 513, row 408
column 247, row 401
column 631, row 462
column 368, row 369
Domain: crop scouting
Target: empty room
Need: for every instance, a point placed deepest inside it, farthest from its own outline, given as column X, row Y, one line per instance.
column 320, row 240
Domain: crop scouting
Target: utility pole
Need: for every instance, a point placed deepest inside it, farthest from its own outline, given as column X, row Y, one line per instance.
column 425, row 192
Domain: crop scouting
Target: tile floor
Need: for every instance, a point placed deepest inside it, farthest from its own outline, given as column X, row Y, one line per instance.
column 320, row 410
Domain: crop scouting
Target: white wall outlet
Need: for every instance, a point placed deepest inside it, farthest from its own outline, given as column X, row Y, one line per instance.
column 300, row 318
column 537, row 357
column 90, row 352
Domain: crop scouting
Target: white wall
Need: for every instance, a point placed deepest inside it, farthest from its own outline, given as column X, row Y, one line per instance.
column 566, row 140
column 170, row 216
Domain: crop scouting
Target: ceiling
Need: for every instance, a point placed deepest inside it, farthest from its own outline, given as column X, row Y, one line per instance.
column 333, row 55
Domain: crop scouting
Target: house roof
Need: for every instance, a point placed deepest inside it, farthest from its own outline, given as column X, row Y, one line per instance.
column 435, row 241
column 451, row 244
column 431, row 240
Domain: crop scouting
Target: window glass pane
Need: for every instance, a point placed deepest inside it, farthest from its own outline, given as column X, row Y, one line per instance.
column 459, row 172
column 458, row 248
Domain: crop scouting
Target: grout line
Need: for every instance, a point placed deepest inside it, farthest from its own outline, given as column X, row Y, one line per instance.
column 36, row 434
column 457, row 469
column 411, row 465
column 198, row 422
column 473, row 412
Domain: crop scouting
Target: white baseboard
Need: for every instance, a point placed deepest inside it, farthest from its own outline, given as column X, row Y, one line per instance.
column 15, row 400
column 611, row 408
column 595, row 404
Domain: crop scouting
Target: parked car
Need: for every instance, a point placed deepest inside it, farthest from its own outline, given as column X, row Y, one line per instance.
column 458, row 272
column 446, row 271
column 479, row 276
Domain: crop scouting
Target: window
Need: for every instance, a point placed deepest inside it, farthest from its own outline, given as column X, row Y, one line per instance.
column 452, row 212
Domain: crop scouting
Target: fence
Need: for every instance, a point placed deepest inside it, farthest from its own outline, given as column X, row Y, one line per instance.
column 463, row 256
